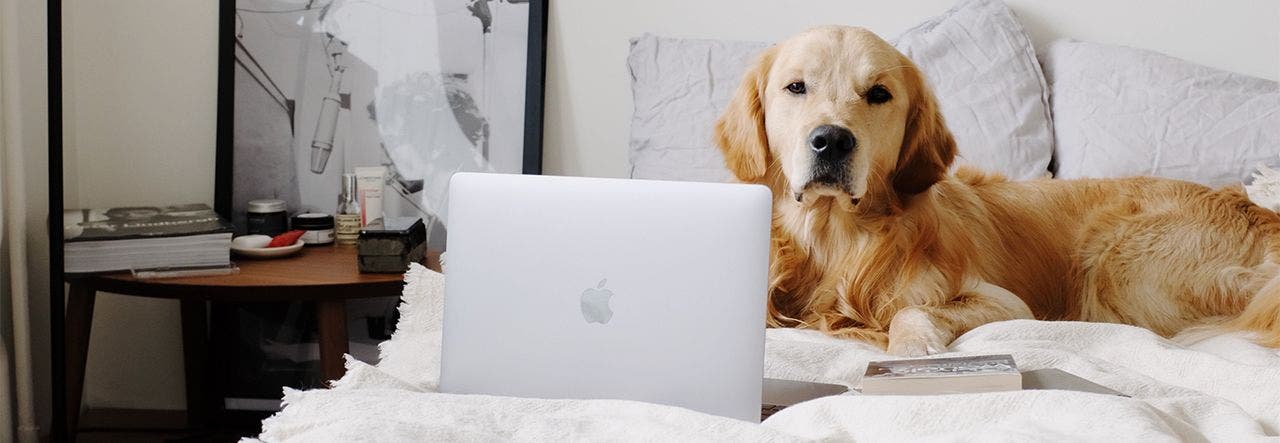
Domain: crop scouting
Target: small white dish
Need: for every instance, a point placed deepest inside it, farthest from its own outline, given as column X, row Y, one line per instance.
column 256, row 246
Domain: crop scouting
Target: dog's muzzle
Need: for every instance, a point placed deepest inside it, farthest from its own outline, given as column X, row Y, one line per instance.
column 832, row 148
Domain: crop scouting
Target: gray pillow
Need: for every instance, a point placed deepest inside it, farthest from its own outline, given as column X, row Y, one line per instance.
column 1122, row 111
column 979, row 61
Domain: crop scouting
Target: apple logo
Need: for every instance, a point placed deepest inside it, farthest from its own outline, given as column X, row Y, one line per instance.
column 595, row 303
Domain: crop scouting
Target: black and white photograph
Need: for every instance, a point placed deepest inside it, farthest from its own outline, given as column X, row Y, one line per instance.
column 424, row 87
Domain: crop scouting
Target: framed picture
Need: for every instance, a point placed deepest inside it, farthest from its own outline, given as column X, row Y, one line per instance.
column 310, row 89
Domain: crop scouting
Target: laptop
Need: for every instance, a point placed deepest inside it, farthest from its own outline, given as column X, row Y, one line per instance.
column 589, row 288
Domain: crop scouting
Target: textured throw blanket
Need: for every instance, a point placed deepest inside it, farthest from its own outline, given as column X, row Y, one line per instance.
column 1221, row 388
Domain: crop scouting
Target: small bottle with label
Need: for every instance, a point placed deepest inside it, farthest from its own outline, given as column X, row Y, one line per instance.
column 347, row 219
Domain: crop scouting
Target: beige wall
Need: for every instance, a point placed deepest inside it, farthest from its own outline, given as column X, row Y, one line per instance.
column 140, row 83
column 140, row 113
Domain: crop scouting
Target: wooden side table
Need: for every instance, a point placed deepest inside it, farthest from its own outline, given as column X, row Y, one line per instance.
column 325, row 275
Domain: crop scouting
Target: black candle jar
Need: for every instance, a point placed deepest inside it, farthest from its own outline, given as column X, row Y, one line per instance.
column 266, row 217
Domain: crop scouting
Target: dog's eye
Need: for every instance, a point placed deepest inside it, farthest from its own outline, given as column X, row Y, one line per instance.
column 878, row 94
column 796, row 88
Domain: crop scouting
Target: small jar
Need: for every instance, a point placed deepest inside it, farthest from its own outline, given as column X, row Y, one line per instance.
column 266, row 217
column 317, row 228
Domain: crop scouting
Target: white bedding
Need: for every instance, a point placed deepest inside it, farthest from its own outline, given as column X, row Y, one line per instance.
column 1222, row 388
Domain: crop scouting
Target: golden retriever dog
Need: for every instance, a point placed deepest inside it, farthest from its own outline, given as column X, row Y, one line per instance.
column 874, row 238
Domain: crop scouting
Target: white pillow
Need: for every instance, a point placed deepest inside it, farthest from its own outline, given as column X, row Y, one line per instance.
column 679, row 88
column 977, row 57
column 1121, row 111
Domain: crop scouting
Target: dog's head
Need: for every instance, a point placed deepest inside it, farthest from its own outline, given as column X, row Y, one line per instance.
column 835, row 112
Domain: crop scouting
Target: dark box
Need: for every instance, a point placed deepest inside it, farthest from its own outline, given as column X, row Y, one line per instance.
column 389, row 246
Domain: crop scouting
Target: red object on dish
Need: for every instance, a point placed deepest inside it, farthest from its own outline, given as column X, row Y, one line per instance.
column 285, row 239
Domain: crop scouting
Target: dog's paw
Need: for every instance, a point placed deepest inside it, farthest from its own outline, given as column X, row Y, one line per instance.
column 915, row 346
column 913, row 334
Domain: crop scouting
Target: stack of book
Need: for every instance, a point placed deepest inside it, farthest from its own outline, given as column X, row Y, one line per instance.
column 137, row 238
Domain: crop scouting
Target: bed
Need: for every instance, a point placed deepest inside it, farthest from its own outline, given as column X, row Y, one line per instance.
column 1218, row 388
column 1073, row 109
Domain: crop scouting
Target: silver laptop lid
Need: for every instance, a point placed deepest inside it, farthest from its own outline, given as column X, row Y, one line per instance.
column 560, row 287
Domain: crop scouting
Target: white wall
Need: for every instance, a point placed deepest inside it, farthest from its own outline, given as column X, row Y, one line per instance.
column 141, row 127
column 589, row 106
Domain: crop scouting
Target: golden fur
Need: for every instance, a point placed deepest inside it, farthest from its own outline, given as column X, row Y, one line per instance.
column 910, row 256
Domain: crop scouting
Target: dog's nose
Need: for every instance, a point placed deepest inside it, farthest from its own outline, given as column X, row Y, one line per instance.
column 832, row 140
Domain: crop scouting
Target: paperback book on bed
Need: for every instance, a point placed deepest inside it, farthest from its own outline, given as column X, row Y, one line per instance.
column 950, row 375
column 144, row 237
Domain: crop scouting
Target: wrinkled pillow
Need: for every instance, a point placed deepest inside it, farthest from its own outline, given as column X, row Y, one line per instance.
column 1122, row 111
column 977, row 57
column 679, row 88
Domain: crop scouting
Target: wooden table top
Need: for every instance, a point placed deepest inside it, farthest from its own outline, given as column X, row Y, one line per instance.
column 315, row 273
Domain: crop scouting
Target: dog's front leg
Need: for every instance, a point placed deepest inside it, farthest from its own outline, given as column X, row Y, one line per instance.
column 922, row 330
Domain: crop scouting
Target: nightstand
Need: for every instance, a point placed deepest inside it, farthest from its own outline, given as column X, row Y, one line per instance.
column 324, row 275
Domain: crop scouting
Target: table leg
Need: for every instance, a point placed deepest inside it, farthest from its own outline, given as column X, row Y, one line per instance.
column 195, row 360
column 79, row 323
column 332, row 317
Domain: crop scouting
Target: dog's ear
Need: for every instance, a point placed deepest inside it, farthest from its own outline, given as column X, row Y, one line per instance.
column 927, row 146
column 740, row 131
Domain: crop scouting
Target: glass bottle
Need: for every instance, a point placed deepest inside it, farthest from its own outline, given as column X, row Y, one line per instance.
column 347, row 219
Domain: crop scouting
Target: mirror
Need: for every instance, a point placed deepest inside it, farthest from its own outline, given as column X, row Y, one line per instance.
column 165, row 112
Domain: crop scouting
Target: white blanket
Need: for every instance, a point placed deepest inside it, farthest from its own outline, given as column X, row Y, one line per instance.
column 1222, row 388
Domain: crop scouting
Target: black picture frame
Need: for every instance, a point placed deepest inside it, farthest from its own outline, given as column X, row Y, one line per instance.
column 535, row 87
column 57, row 308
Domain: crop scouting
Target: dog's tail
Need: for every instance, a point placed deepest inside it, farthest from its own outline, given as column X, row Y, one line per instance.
column 1262, row 315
